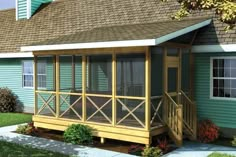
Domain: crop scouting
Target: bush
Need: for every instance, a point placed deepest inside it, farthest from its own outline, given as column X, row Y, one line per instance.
column 135, row 150
column 8, row 100
column 78, row 134
column 28, row 129
column 163, row 145
column 215, row 154
column 234, row 141
column 152, row 152
column 207, row 131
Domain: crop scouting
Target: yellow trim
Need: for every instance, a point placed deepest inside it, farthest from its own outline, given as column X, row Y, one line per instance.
column 84, row 85
column 130, row 97
column 114, row 107
column 147, row 88
column 57, row 86
column 35, row 86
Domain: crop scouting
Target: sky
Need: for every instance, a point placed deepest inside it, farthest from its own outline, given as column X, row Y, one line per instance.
column 6, row 4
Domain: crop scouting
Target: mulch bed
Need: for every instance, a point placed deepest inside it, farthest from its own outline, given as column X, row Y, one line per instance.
column 112, row 145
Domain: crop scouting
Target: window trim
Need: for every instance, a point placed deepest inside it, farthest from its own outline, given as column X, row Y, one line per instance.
column 22, row 73
column 211, row 79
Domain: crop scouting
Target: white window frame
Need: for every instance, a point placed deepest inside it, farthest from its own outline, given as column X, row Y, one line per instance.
column 212, row 78
column 27, row 87
column 23, row 74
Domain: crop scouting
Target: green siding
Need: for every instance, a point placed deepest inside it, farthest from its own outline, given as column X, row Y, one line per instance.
column 22, row 9
column 35, row 4
column 222, row 112
column 11, row 77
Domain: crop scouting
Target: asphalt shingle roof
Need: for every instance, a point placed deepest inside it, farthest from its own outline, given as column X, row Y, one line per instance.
column 124, row 32
column 68, row 17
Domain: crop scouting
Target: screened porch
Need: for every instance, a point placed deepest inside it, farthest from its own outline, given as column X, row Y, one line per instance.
column 107, row 89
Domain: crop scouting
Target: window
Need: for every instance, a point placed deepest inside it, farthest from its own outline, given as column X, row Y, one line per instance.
column 28, row 74
column 223, row 77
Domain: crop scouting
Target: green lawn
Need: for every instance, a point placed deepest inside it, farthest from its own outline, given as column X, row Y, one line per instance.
column 14, row 150
column 7, row 119
column 215, row 154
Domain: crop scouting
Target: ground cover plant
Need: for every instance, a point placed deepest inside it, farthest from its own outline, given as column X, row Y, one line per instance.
column 7, row 119
column 14, row 150
column 215, row 154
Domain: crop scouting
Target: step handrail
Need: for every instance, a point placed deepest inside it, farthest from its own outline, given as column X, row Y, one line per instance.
column 174, row 119
column 189, row 115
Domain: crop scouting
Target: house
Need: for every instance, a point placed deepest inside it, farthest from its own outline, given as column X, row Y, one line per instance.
column 125, row 68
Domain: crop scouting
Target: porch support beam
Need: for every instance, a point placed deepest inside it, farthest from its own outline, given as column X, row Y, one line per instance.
column 147, row 88
column 165, row 83
column 113, row 88
column 57, row 86
column 84, row 85
column 35, row 85
column 179, row 74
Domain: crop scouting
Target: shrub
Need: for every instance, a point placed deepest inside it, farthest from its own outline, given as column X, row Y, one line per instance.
column 234, row 141
column 152, row 152
column 8, row 100
column 135, row 150
column 163, row 145
column 207, row 131
column 78, row 134
column 28, row 129
column 215, row 154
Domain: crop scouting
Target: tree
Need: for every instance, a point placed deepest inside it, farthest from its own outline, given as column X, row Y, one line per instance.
column 226, row 9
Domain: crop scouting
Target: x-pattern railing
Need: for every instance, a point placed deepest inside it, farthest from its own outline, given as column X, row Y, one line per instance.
column 70, row 106
column 156, row 109
column 99, row 109
column 46, row 103
column 131, row 112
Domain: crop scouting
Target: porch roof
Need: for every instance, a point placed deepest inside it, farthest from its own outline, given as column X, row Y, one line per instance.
column 149, row 34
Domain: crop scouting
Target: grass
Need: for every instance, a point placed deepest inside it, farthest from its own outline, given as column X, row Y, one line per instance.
column 7, row 119
column 215, row 154
column 15, row 150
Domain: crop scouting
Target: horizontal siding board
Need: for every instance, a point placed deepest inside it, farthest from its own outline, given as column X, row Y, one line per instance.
column 221, row 112
column 11, row 77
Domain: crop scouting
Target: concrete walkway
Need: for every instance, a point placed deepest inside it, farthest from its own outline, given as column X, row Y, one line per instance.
column 193, row 149
column 6, row 134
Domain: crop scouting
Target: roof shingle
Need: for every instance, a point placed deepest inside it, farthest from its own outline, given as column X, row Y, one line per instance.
column 69, row 17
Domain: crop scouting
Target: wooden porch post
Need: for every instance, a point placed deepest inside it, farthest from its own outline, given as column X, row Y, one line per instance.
column 84, row 85
column 165, row 83
column 57, row 86
column 148, row 88
column 35, row 85
column 179, row 81
column 113, row 88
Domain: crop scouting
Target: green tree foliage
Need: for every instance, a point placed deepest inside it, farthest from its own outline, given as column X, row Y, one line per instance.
column 226, row 9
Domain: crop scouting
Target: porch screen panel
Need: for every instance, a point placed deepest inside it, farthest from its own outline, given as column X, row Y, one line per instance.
column 131, row 87
column 46, row 98
column 157, row 86
column 131, row 75
column 70, row 87
column 99, row 88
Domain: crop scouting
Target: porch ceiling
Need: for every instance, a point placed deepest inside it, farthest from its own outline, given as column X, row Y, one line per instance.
column 122, row 36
